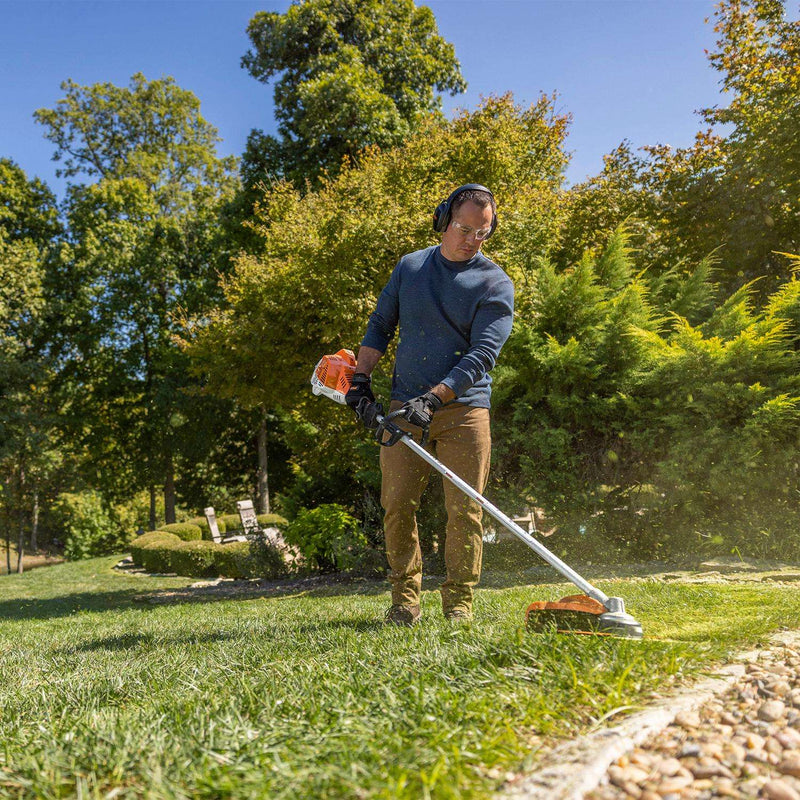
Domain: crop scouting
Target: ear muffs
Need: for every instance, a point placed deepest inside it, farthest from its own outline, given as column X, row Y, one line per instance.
column 443, row 212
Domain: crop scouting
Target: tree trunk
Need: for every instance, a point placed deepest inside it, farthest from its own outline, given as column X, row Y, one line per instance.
column 35, row 520
column 21, row 540
column 152, row 508
column 21, row 529
column 262, row 487
column 8, row 547
column 169, row 492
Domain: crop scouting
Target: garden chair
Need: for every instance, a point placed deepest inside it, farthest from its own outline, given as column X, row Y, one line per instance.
column 252, row 527
column 250, row 524
column 216, row 536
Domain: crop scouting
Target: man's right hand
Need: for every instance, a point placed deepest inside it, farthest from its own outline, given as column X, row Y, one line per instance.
column 359, row 394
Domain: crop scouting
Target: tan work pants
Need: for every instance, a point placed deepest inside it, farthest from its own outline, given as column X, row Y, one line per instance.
column 460, row 438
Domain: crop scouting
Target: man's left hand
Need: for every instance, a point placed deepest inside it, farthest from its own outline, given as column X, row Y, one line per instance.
column 419, row 411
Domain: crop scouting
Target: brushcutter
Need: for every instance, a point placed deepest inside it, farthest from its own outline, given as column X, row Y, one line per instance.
column 590, row 612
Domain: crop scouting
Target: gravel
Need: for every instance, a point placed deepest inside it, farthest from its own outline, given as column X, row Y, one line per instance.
column 744, row 743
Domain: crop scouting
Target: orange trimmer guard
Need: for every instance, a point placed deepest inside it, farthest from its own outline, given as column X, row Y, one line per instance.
column 577, row 613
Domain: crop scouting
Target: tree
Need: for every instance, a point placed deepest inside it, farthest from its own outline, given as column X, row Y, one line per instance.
column 143, row 242
column 29, row 228
column 326, row 253
column 349, row 74
column 736, row 186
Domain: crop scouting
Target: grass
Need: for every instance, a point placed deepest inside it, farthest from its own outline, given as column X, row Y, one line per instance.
column 305, row 694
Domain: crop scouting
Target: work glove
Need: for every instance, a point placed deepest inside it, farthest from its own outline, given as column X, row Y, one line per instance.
column 419, row 411
column 361, row 399
column 360, row 389
column 369, row 413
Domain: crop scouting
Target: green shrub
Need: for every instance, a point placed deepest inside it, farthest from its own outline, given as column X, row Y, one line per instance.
column 228, row 523
column 256, row 559
column 202, row 523
column 272, row 521
column 185, row 531
column 195, row 559
column 88, row 525
column 329, row 537
column 153, row 550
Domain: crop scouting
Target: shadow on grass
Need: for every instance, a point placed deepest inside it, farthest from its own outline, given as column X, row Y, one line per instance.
column 25, row 608
column 133, row 641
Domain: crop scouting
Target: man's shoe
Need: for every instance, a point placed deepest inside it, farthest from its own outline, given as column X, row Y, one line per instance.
column 458, row 615
column 403, row 616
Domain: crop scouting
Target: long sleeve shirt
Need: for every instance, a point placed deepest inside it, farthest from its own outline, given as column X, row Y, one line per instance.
column 454, row 317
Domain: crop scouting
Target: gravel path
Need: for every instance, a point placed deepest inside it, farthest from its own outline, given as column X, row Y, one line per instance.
column 743, row 744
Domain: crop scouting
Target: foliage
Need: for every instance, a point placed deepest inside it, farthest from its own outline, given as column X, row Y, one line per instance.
column 185, row 531
column 193, row 558
column 162, row 552
column 231, row 522
column 142, row 245
column 328, row 536
column 87, row 526
column 30, row 451
column 147, row 548
column 349, row 74
column 736, row 186
column 627, row 420
column 325, row 256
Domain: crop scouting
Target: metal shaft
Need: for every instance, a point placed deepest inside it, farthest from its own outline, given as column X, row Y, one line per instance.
column 495, row 512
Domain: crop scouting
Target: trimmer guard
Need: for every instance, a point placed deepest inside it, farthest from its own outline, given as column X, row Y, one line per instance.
column 579, row 613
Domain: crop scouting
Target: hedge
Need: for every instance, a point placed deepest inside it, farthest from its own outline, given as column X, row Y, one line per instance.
column 161, row 552
column 272, row 521
column 201, row 523
column 185, row 531
column 229, row 522
column 195, row 559
column 152, row 550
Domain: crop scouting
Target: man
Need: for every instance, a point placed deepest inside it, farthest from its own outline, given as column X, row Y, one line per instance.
column 454, row 308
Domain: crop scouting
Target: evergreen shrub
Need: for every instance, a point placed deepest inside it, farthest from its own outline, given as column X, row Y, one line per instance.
column 329, row 537
column 186, row 531
column 201, row 523
column 233, row 560
column 153, row 550
column 272, row 521
column 194, row 559
column 228, row 523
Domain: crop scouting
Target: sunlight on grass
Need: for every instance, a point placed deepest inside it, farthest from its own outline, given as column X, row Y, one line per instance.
column 308, row 695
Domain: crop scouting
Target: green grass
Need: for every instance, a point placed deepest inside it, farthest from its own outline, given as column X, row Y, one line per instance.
column 305, row 694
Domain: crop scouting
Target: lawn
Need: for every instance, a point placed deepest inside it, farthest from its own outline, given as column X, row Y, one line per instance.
column 110, row 689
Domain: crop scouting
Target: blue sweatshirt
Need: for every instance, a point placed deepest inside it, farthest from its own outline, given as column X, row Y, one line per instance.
column 454, row 317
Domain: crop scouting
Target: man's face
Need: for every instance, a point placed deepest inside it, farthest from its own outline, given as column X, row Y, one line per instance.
column 460, row 246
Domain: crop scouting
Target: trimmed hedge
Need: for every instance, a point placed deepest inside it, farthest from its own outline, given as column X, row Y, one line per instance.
column 229, row 523
column 161, row 552
column 195, row 559
column 233, row 560
column 201, row 523
column 273, row 521
column 152, row 550
column 185, row 531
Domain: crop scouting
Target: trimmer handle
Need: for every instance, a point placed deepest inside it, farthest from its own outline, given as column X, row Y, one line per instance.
column 385, row 425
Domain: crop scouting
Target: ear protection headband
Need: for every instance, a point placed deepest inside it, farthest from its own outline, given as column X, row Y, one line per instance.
column 443, row 212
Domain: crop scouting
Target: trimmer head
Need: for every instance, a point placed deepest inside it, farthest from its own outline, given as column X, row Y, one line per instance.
column 579, row 613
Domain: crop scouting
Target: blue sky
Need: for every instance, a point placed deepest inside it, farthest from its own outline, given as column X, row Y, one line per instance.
column 625, row 69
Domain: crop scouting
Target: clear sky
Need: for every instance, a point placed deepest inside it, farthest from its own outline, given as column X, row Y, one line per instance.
column 624, row 69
